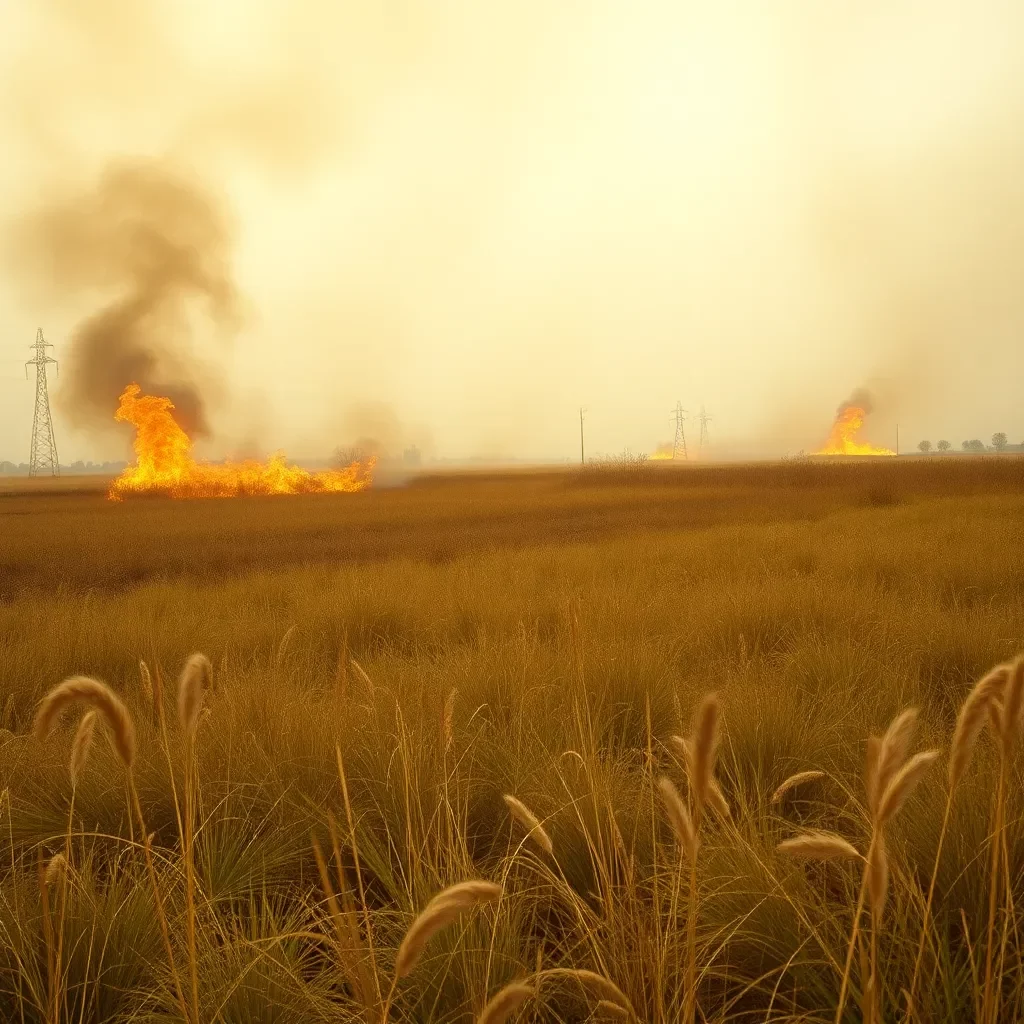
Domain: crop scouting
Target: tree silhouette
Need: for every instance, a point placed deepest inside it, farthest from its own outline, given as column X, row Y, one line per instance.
column 943, row 446
column 925, row 446
column 999, row 441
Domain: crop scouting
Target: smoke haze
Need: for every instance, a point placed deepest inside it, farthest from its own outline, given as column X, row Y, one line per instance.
column 483, row 216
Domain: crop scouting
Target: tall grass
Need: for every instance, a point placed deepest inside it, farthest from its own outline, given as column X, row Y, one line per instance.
column 382, row 730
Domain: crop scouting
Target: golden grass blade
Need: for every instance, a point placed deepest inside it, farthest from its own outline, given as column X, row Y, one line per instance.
column 195, row 678
column 818, row 845
column 705, row 746
column 683, row 746
column 502, row 1005
column 984, row 696
column 81, row 745
column 904, row 783
column 678, row 816
column 102, row 698
column 793, row 781
column 530, row 822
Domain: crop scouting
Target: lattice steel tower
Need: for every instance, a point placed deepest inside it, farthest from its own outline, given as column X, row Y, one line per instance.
column 43, row 459
column 705, row 419
column 679, row 445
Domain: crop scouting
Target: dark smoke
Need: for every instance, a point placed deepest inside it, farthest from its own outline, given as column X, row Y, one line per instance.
column 155, row 248
column 861, row 398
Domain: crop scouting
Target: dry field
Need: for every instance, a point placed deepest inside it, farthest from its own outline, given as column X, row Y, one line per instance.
column 387, row 666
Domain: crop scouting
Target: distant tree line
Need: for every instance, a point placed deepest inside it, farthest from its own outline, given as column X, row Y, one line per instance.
column 999, row 444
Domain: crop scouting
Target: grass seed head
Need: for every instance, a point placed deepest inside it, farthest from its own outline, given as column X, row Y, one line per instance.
column 678, row 816
column 705, row 746
column 146, row 681
column 98, row 695
column 1013, row 703
column 530, row 822
column 903, row 783
column 440, row 912
column 983, row 698
column 81, row 745
column 819, row 846
column 878, row 874
column 502, row 1005
column 55, row 869
column 195, row 678
column 793, row 781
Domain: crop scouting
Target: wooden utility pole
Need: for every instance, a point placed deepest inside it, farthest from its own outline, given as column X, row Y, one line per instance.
column 582, row 460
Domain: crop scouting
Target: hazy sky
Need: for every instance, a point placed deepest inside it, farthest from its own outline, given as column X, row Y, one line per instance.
column 455, row 221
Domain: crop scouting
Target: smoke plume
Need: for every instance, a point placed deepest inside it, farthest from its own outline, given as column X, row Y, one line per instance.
column 860, row 399
column 155, row 247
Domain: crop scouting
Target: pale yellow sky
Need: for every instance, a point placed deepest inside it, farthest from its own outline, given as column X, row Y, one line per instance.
column 455, row 221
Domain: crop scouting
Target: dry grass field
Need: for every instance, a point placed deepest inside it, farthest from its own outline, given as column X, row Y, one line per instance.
column 388, row 666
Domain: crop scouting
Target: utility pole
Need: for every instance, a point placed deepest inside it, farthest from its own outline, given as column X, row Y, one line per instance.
column 679, row 445
column 705, row 419
column 43, row 457
column 897, row 439
column 582, row 460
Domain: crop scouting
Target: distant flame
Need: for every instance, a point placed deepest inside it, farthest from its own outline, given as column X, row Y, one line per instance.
column 842, row 439
column 165, row 464
column 665, row 450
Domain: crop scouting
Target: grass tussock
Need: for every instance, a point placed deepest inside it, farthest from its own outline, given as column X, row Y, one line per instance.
column 716, row 745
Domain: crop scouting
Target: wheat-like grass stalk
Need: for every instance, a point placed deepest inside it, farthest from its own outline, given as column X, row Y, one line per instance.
column 505, row 1002
column 793, row 781
column 449, row 718
column 679, row 817
column 146, row 681
column 55, row 869
column 1013, row 705
column 98, row 695
column 819, row 845
column 444, row 908
column 980, row 703
column 903, row 783
column 705, row 746
column 971, row 720
column 195, row 679
column 101, row 697
column 878, row 874
column 80, row 746
column 892, row 752
column 530, row 822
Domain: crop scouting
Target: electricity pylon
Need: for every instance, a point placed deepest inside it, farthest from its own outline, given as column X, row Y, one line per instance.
column 679, row 445
column 43, row 457
column 705, row 419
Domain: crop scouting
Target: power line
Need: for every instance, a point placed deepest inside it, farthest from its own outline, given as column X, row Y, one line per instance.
column 43, row 457
column 705, row 419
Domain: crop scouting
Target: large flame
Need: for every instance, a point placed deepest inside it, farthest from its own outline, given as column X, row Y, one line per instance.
column 165, row 464
column 843, row 438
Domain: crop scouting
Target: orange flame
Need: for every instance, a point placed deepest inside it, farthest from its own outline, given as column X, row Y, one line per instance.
column 164, row 462
column 842, row 439
column 665, row 450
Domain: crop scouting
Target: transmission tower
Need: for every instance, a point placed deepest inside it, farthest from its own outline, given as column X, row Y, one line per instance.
column 43, row 458
column 705, row 419
column 679, row 445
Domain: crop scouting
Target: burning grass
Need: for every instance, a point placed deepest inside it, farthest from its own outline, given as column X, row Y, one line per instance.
column 505, row 707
